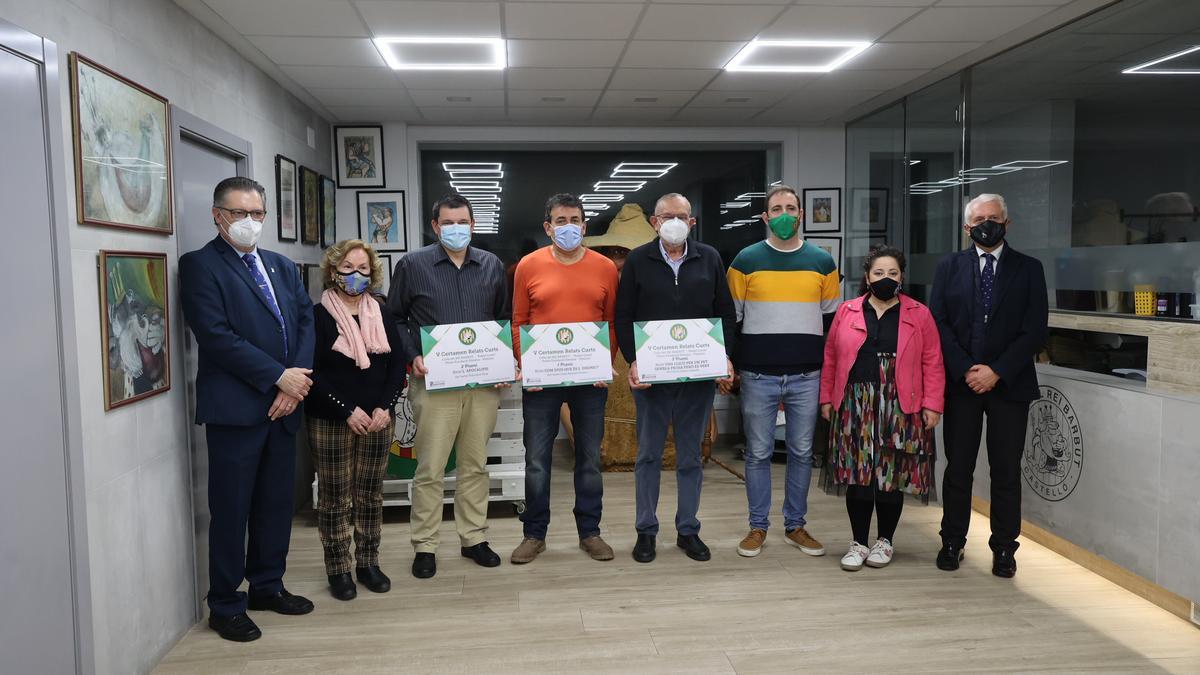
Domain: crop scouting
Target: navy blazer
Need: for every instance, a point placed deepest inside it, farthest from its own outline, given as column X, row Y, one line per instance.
column 1016, row 330
column 240, row 347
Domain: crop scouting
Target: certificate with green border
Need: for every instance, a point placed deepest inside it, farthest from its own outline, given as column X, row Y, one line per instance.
column 680, row 350
column 468, row 355
column 565, row 354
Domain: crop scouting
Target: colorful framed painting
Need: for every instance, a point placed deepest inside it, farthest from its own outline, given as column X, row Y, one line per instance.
column 287, row 205
column 359, row 154
column 310, row 206
column 381, row 219
column 121, row 136
column 328, row 212
column 135, row 326
column 870, row 209
column 832, row 246
column 822, row 210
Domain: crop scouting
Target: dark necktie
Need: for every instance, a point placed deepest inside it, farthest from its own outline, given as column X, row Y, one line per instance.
column 265, row 291
column 987, row 283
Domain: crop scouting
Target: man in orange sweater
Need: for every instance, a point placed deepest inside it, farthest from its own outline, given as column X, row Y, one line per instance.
column 563, row 283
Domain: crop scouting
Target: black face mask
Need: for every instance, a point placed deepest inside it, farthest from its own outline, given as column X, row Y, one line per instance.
column 988, row 233
column 885, row 288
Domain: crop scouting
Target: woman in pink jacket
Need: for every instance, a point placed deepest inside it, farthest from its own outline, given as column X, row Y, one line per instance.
column 882, row 387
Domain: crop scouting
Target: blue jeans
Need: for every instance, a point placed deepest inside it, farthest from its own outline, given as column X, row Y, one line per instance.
column 686, row 407
column 540, row 410
column 761, row 396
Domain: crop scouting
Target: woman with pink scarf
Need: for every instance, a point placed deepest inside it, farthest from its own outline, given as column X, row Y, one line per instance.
column 348, row 413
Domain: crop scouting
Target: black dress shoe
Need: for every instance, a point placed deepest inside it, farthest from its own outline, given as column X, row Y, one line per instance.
column 373, row 578
column 282, row 603
column 342, row 587
column 482, row 554
column 949, row 557
column 424, row 565
column 693, row 547
column 238, row 628
column 1004, row 564
column 643, row 550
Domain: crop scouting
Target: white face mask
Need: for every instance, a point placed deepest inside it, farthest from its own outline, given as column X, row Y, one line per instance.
column 245, row 232
column 673, row 231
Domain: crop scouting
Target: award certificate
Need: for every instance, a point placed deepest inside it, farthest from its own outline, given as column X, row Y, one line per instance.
column 680, row 350
column 565, row 354
column 468, row 355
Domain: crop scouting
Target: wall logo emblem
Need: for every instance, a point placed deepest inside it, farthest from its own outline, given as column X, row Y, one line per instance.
column 678, row 332
column 1053, row 458
column 564, row 336
column 467, row 336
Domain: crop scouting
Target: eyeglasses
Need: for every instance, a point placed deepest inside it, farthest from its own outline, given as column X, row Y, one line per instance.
column 238, row 214
column 669, row 216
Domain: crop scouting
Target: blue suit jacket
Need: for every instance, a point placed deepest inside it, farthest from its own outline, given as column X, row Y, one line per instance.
column 240, row 346
column 1016, row 331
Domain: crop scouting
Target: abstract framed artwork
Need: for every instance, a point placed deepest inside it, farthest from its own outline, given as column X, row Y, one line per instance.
column 328, row 212
column 381, row 220
column 832, row 246
column 310, row 206
column 121, row 136
column 286, row 202
column 359, row 154
column 870, row 209
column 135, row 331
column 822, row 210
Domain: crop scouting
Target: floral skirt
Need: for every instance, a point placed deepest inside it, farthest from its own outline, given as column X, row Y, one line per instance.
column 872, row 439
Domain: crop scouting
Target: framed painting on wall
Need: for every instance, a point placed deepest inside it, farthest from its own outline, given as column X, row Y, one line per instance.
column 314, row 282
column 359, row 154
column 822, row 210
column 870, row 208
column 135, row 331
column 832, row 246
column 288, row 215
column 387, row 265
column 121, row 135
column 328, row 212
column 381, row 220
column 310, row 206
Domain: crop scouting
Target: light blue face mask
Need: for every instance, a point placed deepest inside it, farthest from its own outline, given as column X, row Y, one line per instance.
column 455, row 237
column 568, row 237
column 353, row 283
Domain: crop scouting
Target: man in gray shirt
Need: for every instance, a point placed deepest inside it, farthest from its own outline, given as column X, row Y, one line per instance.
column 446, row 282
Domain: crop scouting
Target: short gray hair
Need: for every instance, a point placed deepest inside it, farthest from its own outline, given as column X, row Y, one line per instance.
column 669, row 196
column 238, row 184
column 984, row 199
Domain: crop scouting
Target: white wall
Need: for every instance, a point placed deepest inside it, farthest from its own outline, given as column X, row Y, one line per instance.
column 136, row 462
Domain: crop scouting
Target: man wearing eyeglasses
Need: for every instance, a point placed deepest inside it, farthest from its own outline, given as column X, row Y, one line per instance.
column 253, row 324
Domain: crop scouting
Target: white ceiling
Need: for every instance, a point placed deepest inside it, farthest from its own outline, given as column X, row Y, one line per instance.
column 620, row 61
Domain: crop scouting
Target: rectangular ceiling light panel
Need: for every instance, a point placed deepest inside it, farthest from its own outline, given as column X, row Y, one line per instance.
column 443, row 53
column 795, row 56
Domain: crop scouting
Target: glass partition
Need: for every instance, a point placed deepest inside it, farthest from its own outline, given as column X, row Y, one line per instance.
column 875, row 179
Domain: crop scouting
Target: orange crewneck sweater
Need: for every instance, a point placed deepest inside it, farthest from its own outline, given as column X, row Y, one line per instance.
column 547, row 291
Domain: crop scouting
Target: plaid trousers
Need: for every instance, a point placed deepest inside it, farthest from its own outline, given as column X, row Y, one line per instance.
column 350, row 471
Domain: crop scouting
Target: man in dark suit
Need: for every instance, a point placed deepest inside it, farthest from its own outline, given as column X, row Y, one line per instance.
column 253, row 324
column 990, row 305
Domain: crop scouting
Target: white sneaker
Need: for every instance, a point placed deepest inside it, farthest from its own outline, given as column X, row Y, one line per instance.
column 881, row 553
column 855, row 557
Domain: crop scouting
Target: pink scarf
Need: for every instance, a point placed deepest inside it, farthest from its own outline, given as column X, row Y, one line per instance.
column 357, row 338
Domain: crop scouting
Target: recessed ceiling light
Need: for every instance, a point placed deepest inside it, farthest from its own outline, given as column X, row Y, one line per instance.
column 475, row 185
column 914, row 162
column 1145, row 68
column 735, row 205
column 1031, row 163
column 846, row 49
column 601, row 197
column 464, row 175
column 471, row 167
column 475, row 198
column 430, row 53
column 642, row 169
column 618, row 185
column 750, row 195
column 589, row 214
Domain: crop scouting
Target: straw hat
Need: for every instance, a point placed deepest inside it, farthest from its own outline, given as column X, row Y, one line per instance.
column 628, row 229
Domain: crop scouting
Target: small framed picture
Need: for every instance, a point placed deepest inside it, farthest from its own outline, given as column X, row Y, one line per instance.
column 869, row 207
column 287, row 206
column 135, row 326
column 832, row 246
column 328, row 212
column 381, row 220
column 387, row 263
column 359, row 152
column 314, row 282
column 310, row 206
column 823, row 210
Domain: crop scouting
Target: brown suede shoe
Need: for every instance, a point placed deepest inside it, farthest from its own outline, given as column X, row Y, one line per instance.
column 801, row 539
column 596, row 548
column 527, row 551
column 753, row 543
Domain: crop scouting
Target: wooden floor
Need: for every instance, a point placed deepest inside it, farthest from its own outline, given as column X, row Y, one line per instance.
column 780, row 612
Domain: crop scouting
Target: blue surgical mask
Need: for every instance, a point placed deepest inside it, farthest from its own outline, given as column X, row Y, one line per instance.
column 353, row 283
column 569, row 236
column 455, row 237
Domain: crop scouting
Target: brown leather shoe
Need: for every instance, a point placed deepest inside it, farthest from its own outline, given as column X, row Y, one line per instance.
column 753, row 543
column 801, row 539
column 527, row 550
column 596, row 548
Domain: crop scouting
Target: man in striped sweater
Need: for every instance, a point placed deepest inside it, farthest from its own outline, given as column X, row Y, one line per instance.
column 785, row 292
